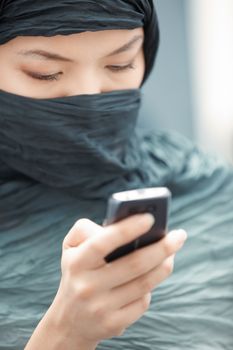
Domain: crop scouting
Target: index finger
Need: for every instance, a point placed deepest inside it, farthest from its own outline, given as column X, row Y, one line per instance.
column 93, row 251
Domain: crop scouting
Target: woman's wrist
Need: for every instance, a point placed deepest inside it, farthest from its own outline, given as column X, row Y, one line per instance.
column 66, row 335
column 53, row 333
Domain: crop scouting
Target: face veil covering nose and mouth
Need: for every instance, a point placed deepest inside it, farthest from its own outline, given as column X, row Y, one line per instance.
column 60, row 141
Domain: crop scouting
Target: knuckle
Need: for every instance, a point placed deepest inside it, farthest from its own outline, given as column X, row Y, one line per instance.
column 146, row 285
column 81, row 224
column 85, row 291
column 69, row 263
column 119, row 332
column 110, row 328
column 99, row 312
column 145, row 304
column 113, row 330
column 136, row 265
column 123, row 231
column 168, row 267
column 167, row 248
column 128, row 227
column 96, row 248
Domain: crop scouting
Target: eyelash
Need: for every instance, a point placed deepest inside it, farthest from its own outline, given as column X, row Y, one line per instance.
column 55, row 77
column 118, row 69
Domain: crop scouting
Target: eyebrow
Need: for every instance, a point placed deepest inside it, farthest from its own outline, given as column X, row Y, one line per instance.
column 42, row 54
column 127, row 46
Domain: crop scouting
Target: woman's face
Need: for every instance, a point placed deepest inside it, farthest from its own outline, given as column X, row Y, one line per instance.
column 86, row 63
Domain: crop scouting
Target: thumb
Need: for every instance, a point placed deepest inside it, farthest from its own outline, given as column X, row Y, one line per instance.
column 82, row 230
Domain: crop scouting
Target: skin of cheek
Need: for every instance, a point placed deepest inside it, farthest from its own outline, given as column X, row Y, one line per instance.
column 8, row 81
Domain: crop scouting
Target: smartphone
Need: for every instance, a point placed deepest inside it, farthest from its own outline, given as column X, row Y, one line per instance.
column 147, row 200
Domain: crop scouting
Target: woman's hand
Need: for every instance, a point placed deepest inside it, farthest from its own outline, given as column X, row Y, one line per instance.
column 98, row 300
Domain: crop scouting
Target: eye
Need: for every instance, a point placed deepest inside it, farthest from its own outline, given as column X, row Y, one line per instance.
column 118, row 69
column 45, row 77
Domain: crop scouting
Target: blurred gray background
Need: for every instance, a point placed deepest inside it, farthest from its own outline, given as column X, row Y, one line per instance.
column 191, row 87
column 167, row 94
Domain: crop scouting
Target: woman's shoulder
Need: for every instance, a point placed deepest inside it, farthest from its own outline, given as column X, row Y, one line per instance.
column 184, row 161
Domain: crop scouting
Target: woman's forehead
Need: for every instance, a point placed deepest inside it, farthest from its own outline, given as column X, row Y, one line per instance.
column 114, row 42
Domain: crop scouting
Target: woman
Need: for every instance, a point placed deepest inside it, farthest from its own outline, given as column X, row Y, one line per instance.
column 70, row 79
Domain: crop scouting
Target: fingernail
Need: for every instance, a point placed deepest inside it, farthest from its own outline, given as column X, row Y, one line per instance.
column 180, row 235
column 183, row 235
